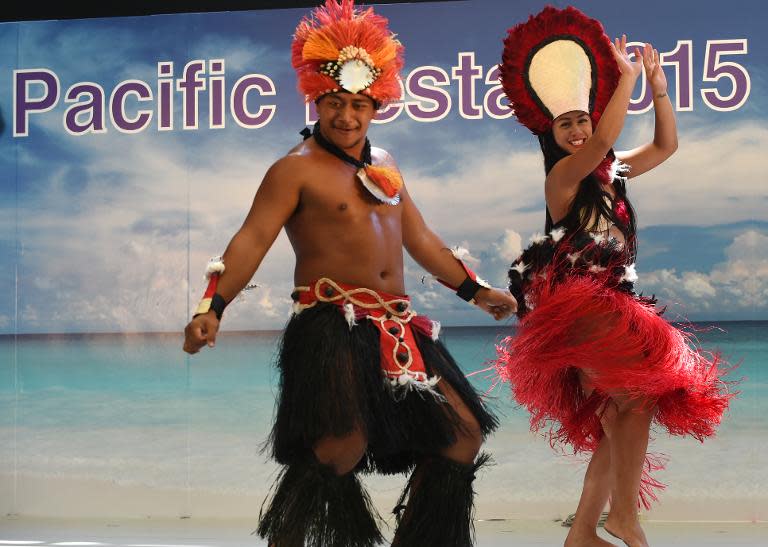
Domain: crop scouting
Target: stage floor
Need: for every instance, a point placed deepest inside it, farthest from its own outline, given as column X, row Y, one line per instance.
column 225, row 533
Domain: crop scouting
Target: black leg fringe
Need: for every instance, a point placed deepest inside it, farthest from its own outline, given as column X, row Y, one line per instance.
column 439, row 507
column 312, row 506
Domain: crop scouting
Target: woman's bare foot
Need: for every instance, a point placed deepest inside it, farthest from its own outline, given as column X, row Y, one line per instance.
column 629, row 532
column 576, row 539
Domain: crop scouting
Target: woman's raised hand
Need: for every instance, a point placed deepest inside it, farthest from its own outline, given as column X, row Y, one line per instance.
column 627, row 66
column 653, row 71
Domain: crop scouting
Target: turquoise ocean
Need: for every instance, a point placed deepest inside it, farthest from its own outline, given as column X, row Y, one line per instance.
column 133, row 410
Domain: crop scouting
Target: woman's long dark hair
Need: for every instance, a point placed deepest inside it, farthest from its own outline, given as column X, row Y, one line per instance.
column 589, row 204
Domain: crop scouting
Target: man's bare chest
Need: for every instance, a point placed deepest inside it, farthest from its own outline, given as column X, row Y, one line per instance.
column 345, row 199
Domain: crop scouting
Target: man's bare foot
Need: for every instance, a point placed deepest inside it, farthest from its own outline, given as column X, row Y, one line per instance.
column 585, row 540
column 629, row 532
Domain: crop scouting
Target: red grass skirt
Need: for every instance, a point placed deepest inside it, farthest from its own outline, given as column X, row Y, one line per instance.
column 576, row 320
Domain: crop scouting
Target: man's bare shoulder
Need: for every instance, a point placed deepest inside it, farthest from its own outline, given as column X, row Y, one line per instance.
column 294, row 166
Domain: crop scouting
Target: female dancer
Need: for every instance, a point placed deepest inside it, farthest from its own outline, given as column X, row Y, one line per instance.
column 591, row 356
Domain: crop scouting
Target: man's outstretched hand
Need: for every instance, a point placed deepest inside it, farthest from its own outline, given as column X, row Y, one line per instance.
column 500, row 304
column 201, row 331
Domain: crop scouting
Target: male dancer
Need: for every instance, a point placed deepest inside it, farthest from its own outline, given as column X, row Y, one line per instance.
column 365, row 383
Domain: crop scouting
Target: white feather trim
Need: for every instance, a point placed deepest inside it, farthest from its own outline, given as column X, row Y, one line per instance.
column 405, row 382
column 614, row 169
column 630, row 274
column 482, row 282
column 461, row 253
column 573, row 257
column 215, row 265
column 538, row 237
column 557, row 234
column 594, row 268
column 598, row 238
column 528, row 298
column 405, row 378
column 618, row 168
column 349, row 315
column 435, row 330
column 521, row 267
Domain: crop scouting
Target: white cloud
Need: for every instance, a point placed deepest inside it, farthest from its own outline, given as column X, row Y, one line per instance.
column 697, row 285
column 738, row 286
column 428, row 300
column 712, row 178
column 268, row 304
column 82, row 46
column 242, row 55
column 115, row 255
column 510, row 245
column 480, row 199
column 745, row 275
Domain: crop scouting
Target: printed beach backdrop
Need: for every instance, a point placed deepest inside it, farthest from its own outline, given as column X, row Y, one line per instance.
column 131, row 148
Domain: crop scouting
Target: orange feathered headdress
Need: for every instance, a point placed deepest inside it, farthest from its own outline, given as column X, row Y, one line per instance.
column 338, row 47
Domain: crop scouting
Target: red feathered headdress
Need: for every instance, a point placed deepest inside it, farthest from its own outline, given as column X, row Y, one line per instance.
column 556, row 62
column 338, row 47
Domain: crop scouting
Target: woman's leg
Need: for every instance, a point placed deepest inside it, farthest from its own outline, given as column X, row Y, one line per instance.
column 594, row 496
column 629, row 444
column 598, row 482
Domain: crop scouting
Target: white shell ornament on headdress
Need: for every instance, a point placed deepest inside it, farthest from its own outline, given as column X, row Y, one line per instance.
column 355, row 75
column 560, row 74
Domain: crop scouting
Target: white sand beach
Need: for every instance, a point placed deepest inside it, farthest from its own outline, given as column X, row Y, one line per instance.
column 122, row 466
column 43, row 496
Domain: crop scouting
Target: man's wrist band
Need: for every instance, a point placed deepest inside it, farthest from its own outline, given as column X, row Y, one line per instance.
column 217, row 305
column 211, row 299
column 468, row 289
column 471, row 284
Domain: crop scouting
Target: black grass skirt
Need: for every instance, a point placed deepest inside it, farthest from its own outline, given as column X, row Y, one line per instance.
column 331, row 384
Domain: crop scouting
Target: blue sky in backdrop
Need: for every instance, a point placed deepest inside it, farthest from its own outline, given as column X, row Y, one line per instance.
column 111, row 231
